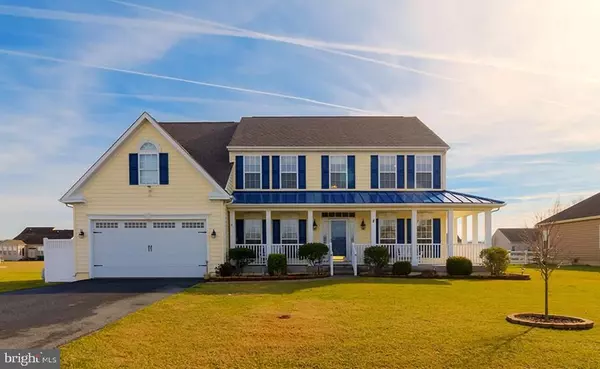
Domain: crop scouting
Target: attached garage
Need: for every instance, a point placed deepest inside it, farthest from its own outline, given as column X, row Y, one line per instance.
column 138, row 248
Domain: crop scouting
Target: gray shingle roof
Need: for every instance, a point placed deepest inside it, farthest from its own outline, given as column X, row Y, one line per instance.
column 346, row 131
column 518, row 234
column 207, row 143
column 589, row 207
column 36, row 235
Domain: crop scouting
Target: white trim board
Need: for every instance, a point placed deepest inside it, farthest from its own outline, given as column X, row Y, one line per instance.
column 72, row 195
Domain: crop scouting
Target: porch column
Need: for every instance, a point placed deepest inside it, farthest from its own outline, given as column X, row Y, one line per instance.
column 488, row 228
column 451, row 235
column 463, row 234
column 373, row 227
column 269, row 231
column 475, row 224
column 309, row 227
column 413, row 231
column 232, row 231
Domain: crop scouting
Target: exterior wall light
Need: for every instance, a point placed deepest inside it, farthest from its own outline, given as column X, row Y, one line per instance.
column 315, row 225
column 363, row 225
column 81, row 234
column 213, row 234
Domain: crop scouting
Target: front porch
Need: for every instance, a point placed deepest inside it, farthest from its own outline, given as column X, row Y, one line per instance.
column 422, row 236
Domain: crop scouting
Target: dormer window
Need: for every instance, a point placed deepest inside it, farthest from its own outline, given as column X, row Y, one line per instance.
column 148, row 164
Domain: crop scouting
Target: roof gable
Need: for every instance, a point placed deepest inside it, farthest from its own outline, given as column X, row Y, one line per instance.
column 335, row 131
column 518, row 234
column 589, row 207
column 36, row 235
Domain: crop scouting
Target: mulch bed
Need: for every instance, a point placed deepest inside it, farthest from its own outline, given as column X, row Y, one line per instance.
column 254, row 278
column 553, row 322
column 506, row 277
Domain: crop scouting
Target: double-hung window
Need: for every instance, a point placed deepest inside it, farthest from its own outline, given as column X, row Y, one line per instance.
column 387, row 230
column 253, row 231
column 148, row 164
column 289, row 171
column 338, row 171
column 387, row 171
column 424, row 171
column 289, row 231
column 252, row 172
column 425, row 231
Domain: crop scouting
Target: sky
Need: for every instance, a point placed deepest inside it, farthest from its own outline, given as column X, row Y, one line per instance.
column 512, row 86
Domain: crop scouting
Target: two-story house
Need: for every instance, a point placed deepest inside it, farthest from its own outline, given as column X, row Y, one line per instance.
column 169, row 199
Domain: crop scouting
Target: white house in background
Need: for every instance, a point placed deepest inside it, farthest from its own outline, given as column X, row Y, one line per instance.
column 170, row 199
column 12, row 250
column 512, row 239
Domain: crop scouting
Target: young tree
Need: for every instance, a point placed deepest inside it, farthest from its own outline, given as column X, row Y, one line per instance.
column 547, row 246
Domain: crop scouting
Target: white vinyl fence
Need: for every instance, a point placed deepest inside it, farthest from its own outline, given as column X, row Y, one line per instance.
column 59, row 260
column 521, row 257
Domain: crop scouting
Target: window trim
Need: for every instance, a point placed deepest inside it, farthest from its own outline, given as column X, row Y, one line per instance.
column 395, row 159
column 395, row 230
column 345, row 156
column 281, row 172
column 297, row 240
column 260, row 169
column 260, row 231
column 417, row 171
column 417, row 235
column 155, row 152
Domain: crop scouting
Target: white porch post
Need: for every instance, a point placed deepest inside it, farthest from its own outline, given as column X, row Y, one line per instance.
column 373, row 227
column 309, row 227
column 463, row 225
column 413, row 231
column 232, row 231
column 475, row 224
column 488, row 228
column 269, row 231
column 451, row 235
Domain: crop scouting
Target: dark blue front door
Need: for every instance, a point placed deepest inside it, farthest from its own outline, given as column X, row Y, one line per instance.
column 338, row 237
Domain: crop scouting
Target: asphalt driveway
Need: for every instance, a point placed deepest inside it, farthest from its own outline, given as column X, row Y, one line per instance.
column 50, row 316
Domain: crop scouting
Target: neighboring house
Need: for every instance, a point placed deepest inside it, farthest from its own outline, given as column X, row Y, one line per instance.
column 170, row 199
column 12, row 250
column 579, row 229
column 512, row 239
column 33, row 238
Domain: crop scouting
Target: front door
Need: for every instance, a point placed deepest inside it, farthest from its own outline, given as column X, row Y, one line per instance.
column 338, row 237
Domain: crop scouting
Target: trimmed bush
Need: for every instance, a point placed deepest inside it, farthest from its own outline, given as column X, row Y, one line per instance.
column 495, row 260
column 314, row 253
column 277, row 264
column 459, row 265
column 242, row 257
column 225, row 270
column 401, row 268
column 377, row 257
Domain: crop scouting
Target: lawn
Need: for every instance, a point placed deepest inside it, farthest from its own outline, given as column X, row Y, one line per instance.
column 17, row 275
column 351, row 323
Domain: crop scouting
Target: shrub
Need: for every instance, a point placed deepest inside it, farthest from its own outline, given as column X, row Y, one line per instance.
column 401, row 268
column 377, row 257
column 459, row 265
column 314, row 253
column 495, row 260
column 225, row 270
column 277, row 264
column 242, row 257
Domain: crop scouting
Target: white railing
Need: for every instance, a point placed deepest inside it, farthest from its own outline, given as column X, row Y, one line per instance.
column 59, row 260
column 260, row 250
column 291, row 252
column 471, row 251
column 330, row 258
column 521, row 257
column 354, row 260
column 397, row 251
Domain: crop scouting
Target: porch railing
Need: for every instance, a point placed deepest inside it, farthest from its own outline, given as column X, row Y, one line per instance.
column 259, row 249
column 471, row 251
column 397, row 251
column 291, row 252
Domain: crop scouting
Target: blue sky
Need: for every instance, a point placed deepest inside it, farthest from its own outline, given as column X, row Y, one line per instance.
column 512, row 87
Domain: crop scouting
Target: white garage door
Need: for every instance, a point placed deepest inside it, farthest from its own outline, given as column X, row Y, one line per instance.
column 146, row 249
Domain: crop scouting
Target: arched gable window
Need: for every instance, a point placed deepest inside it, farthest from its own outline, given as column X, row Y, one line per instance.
column 148, row 164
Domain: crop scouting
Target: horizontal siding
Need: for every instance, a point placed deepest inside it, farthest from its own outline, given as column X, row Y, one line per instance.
column 108, row 192
column 581, row 240
column 363, row 166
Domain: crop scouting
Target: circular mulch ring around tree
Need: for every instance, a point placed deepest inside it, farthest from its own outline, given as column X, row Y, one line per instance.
column 553, row 322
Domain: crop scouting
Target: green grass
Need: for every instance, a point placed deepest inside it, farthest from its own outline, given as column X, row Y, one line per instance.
column 352, row 323
column 17, row 275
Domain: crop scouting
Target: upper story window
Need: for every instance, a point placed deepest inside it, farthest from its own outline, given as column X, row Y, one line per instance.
column 289, row 231
column 338, row 171
column 424, row 171
column 289, row 171
column 253, row 231
column 387, row 230
column 387, row 171
column 425, row 231
column 148, row 164
column 252, row 168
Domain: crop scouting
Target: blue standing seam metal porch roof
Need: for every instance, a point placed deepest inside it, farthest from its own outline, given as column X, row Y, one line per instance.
column 359, row 197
